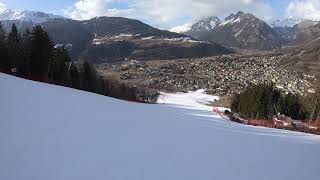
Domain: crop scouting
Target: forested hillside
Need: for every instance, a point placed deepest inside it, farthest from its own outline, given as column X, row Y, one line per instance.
column 33, row 55
column 263, row 101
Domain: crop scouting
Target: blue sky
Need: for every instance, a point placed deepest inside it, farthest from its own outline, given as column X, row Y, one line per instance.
column 57, row 5
column 169, row 13
column 38, row 5
column 48, row 6
column 279, row 6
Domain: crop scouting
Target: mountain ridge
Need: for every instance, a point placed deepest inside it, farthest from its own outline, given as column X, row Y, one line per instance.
column 243, row 31
column 300, row 33
column 28, row 16
column 285, row 22
column 112, row 39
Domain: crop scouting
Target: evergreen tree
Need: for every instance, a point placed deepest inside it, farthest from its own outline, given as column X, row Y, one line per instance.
column 90, row 78
column 41, row 52
column 33, row 54
column 263, row 101
column 60, row 66
column 4, row 62
column 315, row 106
column 14, row 47
column 311, row 102
column 26, row 49
column 74, row 77
column 292, row 107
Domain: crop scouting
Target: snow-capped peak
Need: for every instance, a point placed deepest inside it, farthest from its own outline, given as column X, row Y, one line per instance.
column 205, row 24
column 287, row 22
column 7, row 12
column 181, row 29
column 29, row 16
column 233, row 18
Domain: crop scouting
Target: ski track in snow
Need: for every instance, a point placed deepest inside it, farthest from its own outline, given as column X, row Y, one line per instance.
column 198, row 100
column 57, row 133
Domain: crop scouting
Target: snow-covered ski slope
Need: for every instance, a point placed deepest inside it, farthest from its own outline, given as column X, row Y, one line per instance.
column 55, row 133
column 197, row 100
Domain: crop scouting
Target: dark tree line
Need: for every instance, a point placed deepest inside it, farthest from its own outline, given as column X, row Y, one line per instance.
column 262, row 101
column 32, row 55
column 312, row 103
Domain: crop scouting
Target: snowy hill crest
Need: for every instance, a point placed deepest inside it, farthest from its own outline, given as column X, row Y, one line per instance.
column 27, row 16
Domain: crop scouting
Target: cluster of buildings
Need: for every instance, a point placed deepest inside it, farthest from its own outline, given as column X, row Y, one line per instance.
column 220, row 75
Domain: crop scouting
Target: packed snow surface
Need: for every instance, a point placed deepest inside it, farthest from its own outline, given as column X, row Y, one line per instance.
column 50, row 132
column 192, row 100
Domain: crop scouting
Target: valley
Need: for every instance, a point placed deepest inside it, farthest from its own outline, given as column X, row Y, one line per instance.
column 220, row 75
column 158, row 90
column 222, row 56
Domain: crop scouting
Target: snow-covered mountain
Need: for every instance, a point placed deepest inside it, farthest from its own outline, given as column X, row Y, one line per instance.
column 286, row 22
column 52, row 132
column 27, row 16
column 240, row 30
column 181, row 29
column 206, row 24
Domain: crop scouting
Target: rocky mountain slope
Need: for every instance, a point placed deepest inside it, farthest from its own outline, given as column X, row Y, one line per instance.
column 109, row 39
column 305, row 57
column 302, row 32
column 302, row 47
column 241, row 30
column 286, row 22
column 204, row 25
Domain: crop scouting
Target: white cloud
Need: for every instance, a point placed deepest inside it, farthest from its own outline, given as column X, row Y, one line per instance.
column 168, row 13
column 168, row 10
column 2, row 7
column 86, row 9
column 307, row 9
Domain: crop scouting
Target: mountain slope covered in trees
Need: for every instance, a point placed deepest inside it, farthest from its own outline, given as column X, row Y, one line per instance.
column 33, row 56
column 110, row 39
column 263, row 101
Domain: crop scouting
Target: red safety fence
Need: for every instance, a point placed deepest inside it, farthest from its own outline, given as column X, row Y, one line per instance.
column 220, row 113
